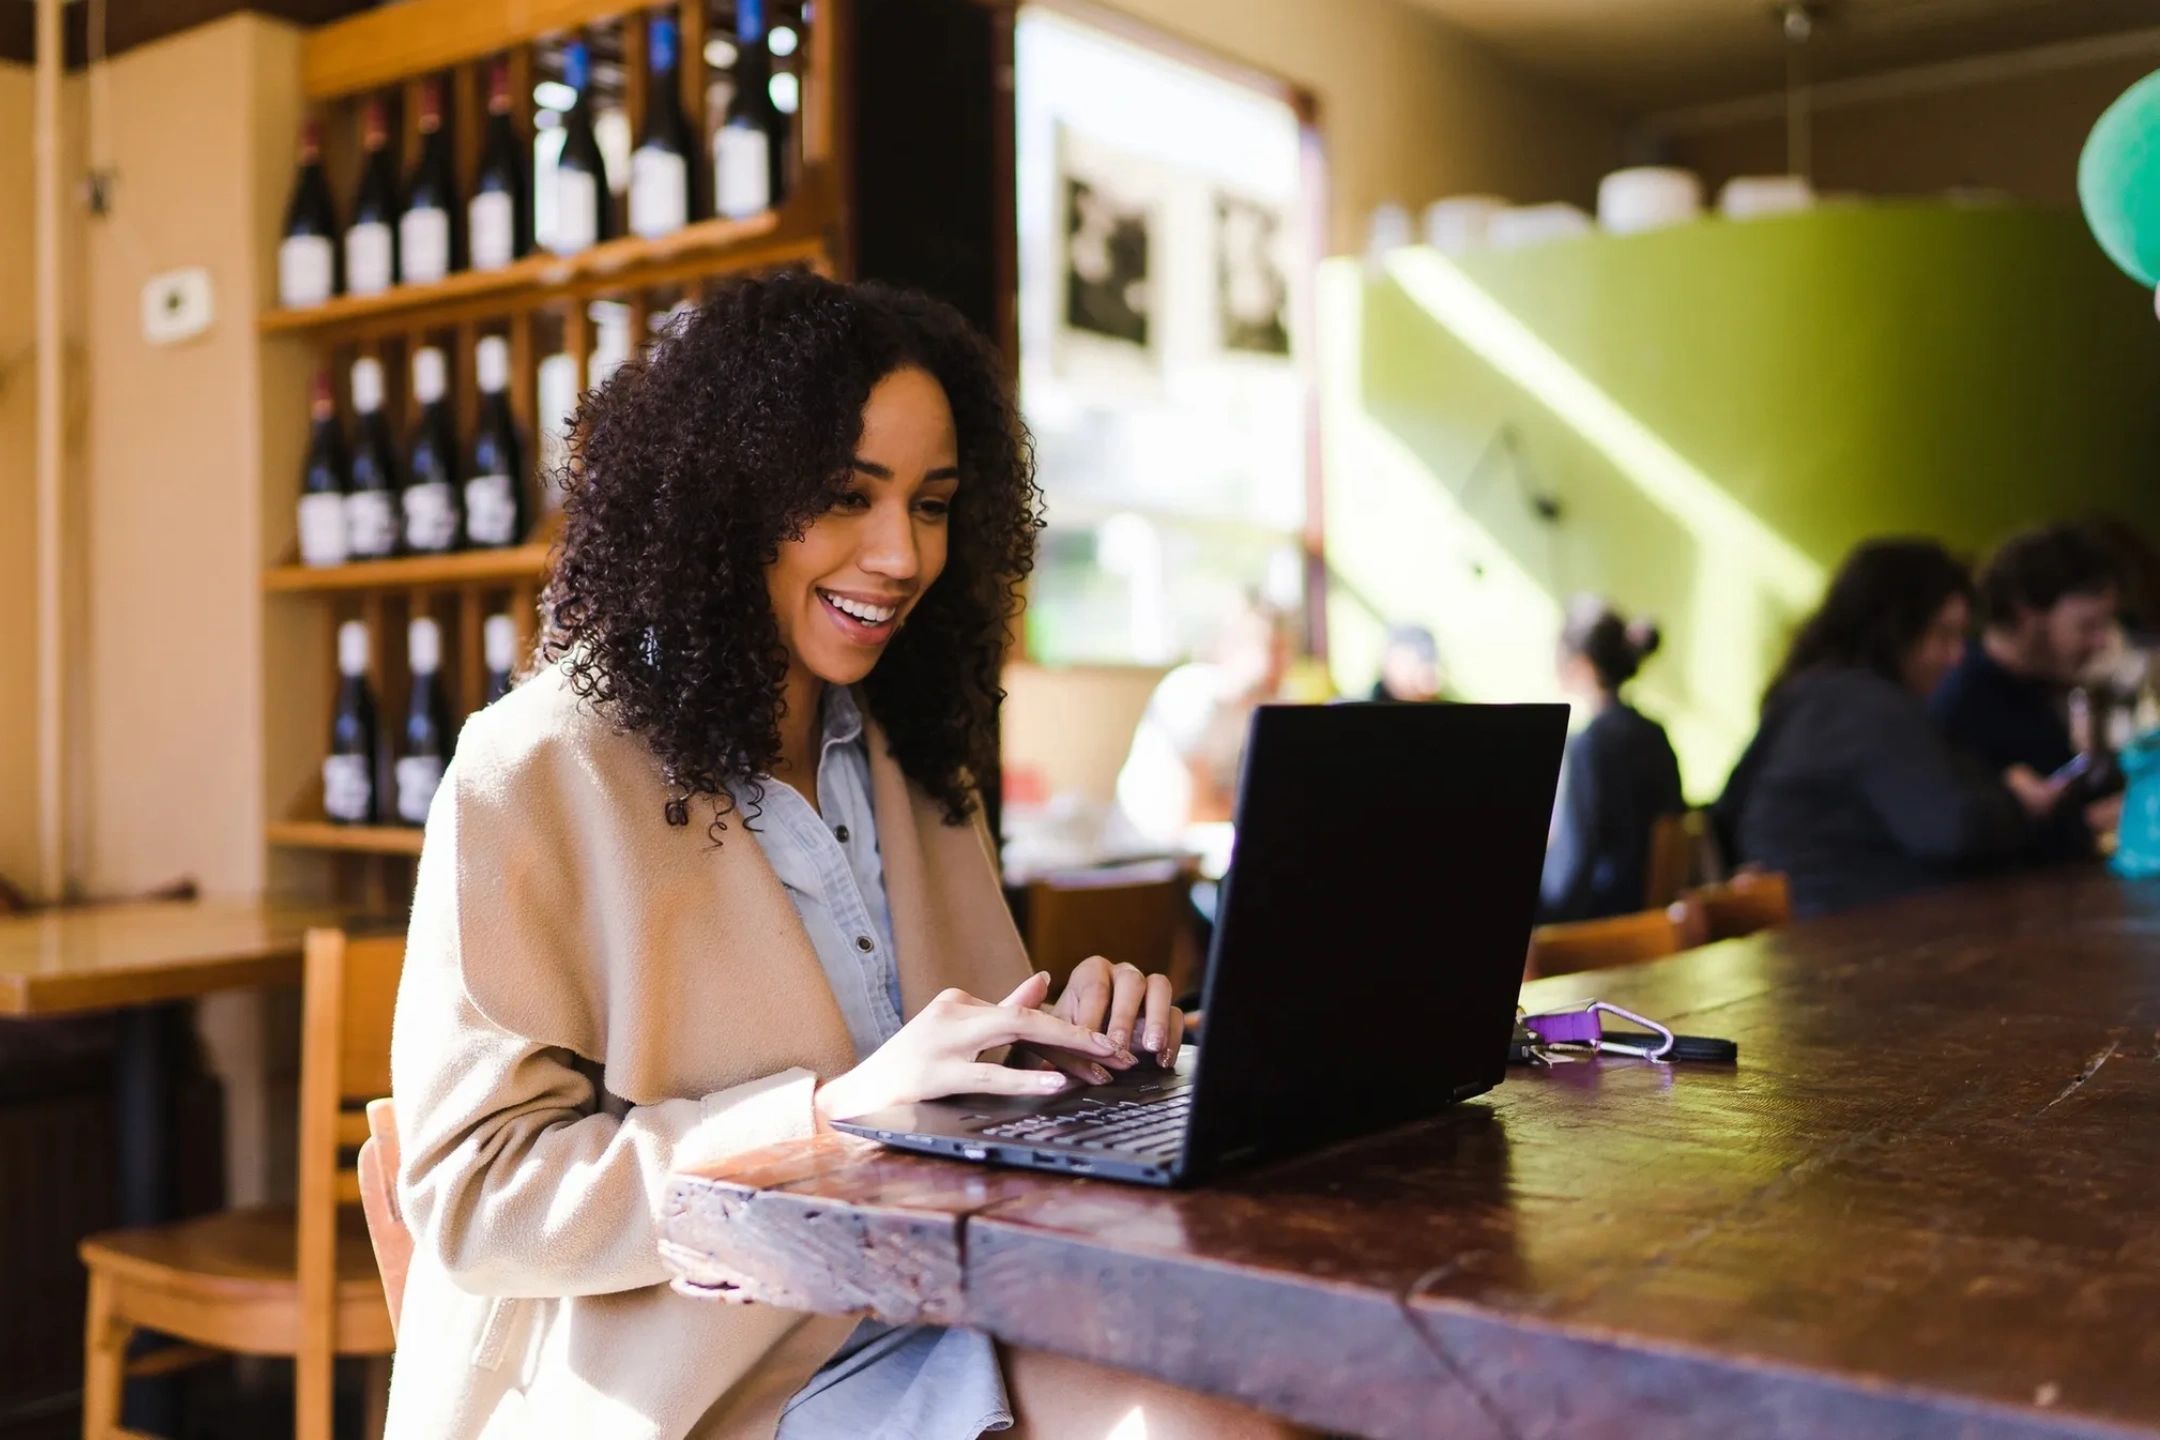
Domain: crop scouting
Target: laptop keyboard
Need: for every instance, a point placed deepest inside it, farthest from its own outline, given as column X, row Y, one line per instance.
column 1147, row 1126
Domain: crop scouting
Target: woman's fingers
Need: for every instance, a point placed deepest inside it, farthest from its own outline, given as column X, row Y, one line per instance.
column 1087, row 993
column 1155, row 1022
column 1128, row 994
column 1174, row 1037
column 1080, row 1067
column 1038, row 1030
column 975, row 1078
column 1031, row 992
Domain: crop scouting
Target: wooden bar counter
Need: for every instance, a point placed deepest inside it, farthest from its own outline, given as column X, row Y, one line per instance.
column 1925, row 1204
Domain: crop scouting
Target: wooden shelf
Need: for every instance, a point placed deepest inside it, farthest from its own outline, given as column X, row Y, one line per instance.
column 351, row 839
column 389, row 44
column 796, row 232
column 526, row 562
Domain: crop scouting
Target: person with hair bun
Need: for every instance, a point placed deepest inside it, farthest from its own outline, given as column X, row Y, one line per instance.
column 1619, row 776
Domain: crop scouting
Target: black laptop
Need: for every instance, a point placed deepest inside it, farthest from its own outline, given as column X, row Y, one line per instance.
column 1367, row 955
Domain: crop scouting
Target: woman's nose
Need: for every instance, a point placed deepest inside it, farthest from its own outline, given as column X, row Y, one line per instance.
column 889, row 544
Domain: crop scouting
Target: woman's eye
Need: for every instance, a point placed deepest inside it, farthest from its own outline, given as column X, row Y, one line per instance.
column 933, row 507
column 852, row 500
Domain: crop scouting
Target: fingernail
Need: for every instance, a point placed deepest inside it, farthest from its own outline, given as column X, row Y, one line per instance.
column 1121, row 1038
column 1105, row 1044
column 1050, row 1080
column 1155, row 1038
column 1099, row 1075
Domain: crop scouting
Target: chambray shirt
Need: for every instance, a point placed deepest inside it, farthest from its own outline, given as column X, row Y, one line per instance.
column 912, row 1382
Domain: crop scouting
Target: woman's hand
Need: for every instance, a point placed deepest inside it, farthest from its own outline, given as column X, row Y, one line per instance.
column 938, row 1053
column 1131, row 1007
column 2037, row 794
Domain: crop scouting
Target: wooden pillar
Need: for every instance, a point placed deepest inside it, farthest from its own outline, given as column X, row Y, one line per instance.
column 52, row 714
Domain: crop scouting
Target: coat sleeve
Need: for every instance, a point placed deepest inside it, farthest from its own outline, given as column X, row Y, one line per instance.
column 1935, row 803
column 512, row 1177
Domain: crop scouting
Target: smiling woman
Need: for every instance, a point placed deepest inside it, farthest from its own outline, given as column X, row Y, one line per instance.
column 793, row 536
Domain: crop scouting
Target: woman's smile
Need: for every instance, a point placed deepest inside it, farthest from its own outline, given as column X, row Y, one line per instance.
column 866, row 620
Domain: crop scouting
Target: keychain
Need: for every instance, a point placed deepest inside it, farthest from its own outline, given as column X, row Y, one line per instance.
column 1583, row 1028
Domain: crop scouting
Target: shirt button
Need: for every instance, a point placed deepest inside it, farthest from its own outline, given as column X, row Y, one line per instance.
column 840, row 833
column 865, row 944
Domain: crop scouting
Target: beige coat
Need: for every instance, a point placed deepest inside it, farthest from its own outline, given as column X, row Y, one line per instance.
column 593, row 997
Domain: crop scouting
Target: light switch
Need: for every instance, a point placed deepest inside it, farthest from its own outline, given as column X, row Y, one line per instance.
column 176, row 306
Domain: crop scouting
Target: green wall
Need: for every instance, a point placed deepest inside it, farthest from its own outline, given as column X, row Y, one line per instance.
column 1721, row 409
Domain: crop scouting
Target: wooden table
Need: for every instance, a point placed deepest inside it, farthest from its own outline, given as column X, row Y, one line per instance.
column 105, row 957
column 1925, row 1204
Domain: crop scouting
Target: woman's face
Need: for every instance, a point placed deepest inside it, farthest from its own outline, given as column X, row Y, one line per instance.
column 841, row 591
column 1939, row 647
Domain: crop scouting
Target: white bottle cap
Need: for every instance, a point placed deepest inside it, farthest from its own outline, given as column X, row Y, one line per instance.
column 423, row 646
column 491, row 359
column 499, row 637
column 428, row 380
column 352, row 648
column 367, row 387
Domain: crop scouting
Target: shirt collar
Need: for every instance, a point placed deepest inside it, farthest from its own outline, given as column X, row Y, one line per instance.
column 843, row 716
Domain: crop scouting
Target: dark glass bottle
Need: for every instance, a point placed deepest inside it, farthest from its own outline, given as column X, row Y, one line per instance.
column 308, row 245
column 424, row 745
column 371, row 239
column 433, row 502
column 498, row 221
column 749, row 148
column 349, row 768
column 495, row 513
column 371, row 500
column 582, row 200
column 323, row 481
column 426, row 245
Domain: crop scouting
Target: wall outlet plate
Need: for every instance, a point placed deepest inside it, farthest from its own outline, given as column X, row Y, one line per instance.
column 176, row 306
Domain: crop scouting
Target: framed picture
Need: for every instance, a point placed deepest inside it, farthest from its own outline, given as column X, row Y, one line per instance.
column 1252, row 286
column 1111, row 263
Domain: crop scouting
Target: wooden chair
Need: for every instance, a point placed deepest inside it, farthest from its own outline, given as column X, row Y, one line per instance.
column 283, row 1280
column 1752, row 900
column 1602, row 944
column 1671, row 867
column 1132, row 913
column 387, row 1232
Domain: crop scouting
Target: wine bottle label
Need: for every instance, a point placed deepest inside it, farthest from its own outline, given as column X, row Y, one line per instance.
column 367, row 259
column 659, row 192
column 306, row 270
column 491, row 510
column 493, row 229
column 742, row 177
column 371, row 525
column 430, row 517
column 418, row 777
column 322, row 529
column 577, row 212
column 348, row 788
column 424, row 245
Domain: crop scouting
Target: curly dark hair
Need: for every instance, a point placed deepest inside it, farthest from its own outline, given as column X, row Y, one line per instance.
column 691, row 466
column 1882, row 599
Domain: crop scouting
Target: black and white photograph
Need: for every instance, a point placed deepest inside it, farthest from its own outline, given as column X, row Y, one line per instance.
column 1106, row 263
column 1252, row 295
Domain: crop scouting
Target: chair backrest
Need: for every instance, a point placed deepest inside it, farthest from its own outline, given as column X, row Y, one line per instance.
column 1602, row 944
column 387, row 1230
column 1129, row 913
column 1670, row 861
column 348, row 995
column 1752, row 900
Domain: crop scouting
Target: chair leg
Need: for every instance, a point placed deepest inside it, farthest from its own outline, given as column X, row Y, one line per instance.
column 378, row 1396
column 314, row 1396
column 105, row 1345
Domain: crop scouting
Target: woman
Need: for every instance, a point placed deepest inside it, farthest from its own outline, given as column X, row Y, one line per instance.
column 1619, row 776
column 680, row 888
column 1848, row 787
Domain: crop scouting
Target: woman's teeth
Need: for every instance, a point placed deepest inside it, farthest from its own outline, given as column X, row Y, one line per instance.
column 857, row 610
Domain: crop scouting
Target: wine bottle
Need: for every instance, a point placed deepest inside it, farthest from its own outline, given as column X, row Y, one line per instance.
column 660, row 166
column 498, row 637
column 495, row 489
column 371, row 239
column 498, row 220
column 349, row 769
column 424, row 747
column 431, row 495
column 307, row 253
column 581, row 186
column 371, row 510
column 748, row 148
column 322, row 481
column 424, row 243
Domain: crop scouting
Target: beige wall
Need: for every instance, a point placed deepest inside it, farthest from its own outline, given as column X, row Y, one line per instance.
column 173, row 753
column 18, row 490
column 1410, row 109
column 2019, row 134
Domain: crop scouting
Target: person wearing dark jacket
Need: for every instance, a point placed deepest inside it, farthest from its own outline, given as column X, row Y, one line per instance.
column 1848, row 787
column 1618, row 778
column 2047, row 612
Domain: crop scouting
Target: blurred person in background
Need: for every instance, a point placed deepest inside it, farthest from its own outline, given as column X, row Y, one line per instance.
column 1849, row 787
column 1409, row 666
column 1618, row 778
column 2048, row 601
column 1178, row 785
